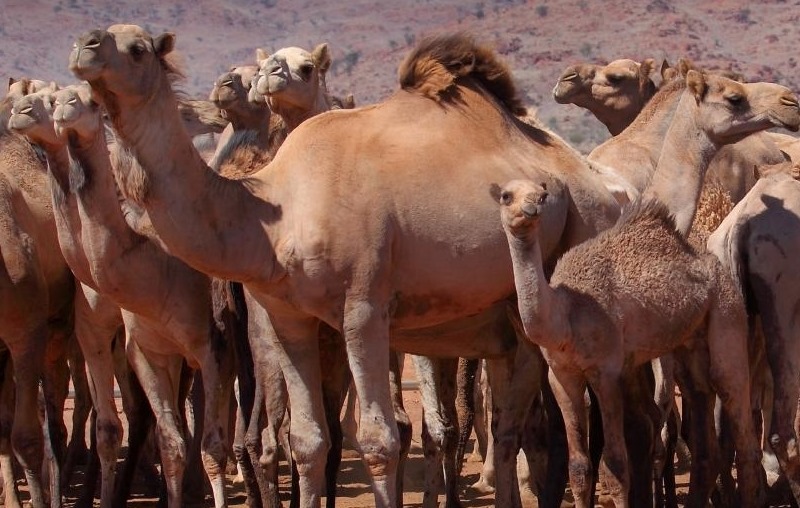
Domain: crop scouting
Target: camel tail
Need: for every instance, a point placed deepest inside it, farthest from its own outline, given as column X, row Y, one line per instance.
column 729, row 247
column 435, row 65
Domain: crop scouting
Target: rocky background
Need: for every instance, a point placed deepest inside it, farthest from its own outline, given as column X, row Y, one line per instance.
column 368, row 39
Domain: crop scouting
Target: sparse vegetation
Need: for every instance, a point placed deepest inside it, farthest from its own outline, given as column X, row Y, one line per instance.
column 541, row 10
column 586, row 50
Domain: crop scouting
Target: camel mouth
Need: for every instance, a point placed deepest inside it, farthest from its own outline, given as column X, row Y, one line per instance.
column 788, row 122
column 20, row 121
column 85, row 66
column 563, row 91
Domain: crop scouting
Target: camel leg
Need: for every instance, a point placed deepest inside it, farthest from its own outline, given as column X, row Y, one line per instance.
column 569, row 388
column 608, row 389
column 26, row 433
column 366, row 330
column 335, row 382
column 161, row 382
column 55, row 387
column 515, row 382
column 298, row 355
column 727, row 343
column 692, row 372
column 216, row 362
column 269, row 404
column 483, row 401
column 436, row 378
column 96, row 322
column 465, row 405
column 10, row 492
column 404, row 429
column 76, row 450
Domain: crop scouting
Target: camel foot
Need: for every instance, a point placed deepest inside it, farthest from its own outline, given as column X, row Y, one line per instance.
column 483, row 486
column 605, row 501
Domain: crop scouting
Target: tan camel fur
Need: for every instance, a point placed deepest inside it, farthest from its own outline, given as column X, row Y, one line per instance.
column 315, row 228
column 790, row 145
column 36, row 318
column 576, row 322
column 756, row 243
column 108, row 256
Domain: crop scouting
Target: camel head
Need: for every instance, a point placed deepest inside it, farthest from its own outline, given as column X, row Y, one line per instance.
column 231, row 89
column 616, row 91
column 788, row 168
column 522, row 203
column 18, row 88
column 31, row 116
column 729, row 110
column 124, row 61
column 75, row 110
column 293, row 75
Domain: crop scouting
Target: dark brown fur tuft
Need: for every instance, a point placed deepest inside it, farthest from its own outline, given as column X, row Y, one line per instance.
column 434, row 67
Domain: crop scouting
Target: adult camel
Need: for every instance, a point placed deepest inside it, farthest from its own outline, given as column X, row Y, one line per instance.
column 165, row 305
column 365, row 231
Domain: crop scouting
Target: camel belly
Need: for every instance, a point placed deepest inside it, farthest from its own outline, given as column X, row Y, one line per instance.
column 486, row 334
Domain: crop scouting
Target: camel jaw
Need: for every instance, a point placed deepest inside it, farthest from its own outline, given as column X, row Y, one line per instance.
column 20, row 122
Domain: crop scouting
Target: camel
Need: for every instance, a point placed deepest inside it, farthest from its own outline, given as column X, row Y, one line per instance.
column 789, row 145
column 576, row 305
column 292, row 250
column 37, row 288
column 754, row 243
column 162, row 330
column 616, row 93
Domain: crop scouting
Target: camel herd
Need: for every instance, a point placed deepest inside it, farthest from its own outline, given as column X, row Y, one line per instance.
column 279, row 271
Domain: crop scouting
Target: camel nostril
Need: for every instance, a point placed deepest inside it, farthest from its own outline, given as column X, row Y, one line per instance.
column 790, row 101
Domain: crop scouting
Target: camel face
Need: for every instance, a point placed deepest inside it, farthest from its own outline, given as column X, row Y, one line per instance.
column 617, row 86
column 233, row 87
column 522, row 203
column 292, row 75
column 22, row 87
column 729, row 110
column 124, row 57
column 30, row 115
column 73, row 108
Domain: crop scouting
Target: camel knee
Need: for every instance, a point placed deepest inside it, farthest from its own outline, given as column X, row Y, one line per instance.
column 29, row 448
column 310, row 451
column 380, row 447
column 266, row 445
column 173, row 451
column 109, row 438
column 580, row 476
column 214, row 450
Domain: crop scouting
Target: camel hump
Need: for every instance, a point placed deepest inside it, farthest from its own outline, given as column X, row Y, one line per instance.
column 435, row 65
column 647, row 212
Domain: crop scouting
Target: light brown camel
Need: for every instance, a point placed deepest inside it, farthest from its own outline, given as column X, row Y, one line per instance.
column 617, row 102
column 614, row 93
column 315, row 228
column 36, row 318
column 757, row 243
column 588, row 337
column 108, row 256
column 98, row 319
column 790, row 145
column 292, row 82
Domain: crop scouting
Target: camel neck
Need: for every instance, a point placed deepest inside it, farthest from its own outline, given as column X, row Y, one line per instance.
column 615, row 121
column 293, row 116
column 254, row 119
column 535, row 298
column 217, row 226
column 681, row 169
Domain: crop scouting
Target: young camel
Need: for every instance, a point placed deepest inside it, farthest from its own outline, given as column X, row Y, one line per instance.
column 106, row 255
column 756, row 243
column 315, row 228
column 588, row 337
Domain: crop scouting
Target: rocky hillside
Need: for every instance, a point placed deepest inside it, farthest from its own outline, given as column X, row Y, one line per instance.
column 368, row 39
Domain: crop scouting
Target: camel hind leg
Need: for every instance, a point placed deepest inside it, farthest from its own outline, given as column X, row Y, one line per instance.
column 10, row 491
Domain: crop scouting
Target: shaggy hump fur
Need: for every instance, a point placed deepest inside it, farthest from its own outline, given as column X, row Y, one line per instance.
column 434, row 66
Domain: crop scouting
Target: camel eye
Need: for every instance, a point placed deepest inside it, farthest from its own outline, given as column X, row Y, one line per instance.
column 735, row 99
column 615, row 79
column 505, row 198
column 306, row 70
column 137, row 50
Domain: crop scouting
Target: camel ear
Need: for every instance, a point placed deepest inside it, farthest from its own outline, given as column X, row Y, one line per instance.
column 53, row 86
column 495, row 191
column 684, row 66
column 696, row 83
column 164, row 44
column 646, row 68
column 261, row 54
column 757, row 173
column 321, row 57
column 11, row 81
column 667, row 71
column 349, row 102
